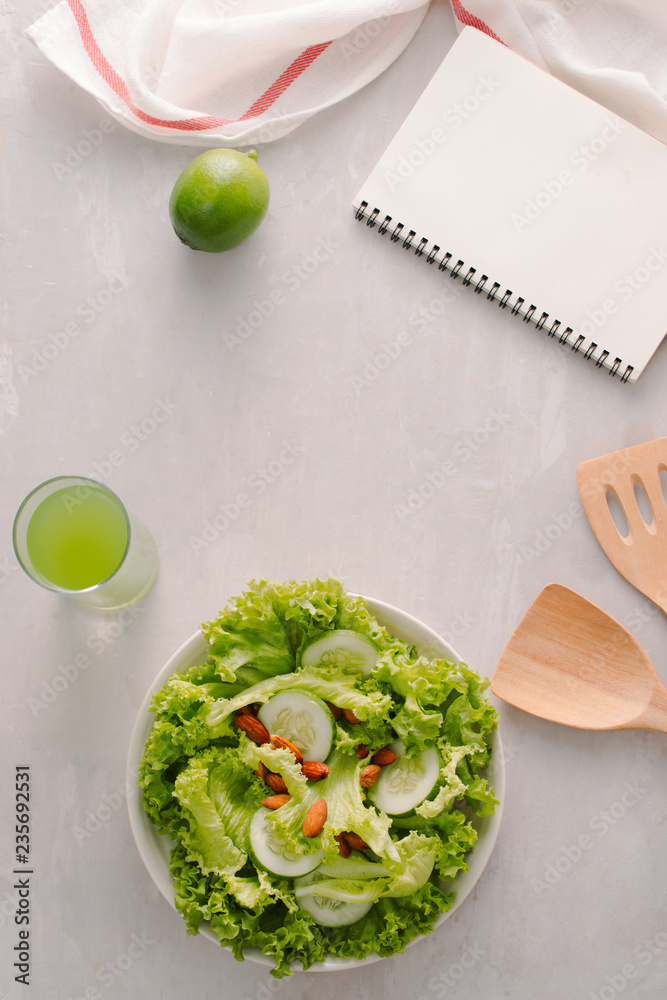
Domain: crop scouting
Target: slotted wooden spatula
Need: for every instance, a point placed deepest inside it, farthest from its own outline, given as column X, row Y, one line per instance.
column 641, row 556
column 570, row 662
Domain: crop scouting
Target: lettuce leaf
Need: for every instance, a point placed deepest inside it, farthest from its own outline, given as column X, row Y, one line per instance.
column 457, row 837
column 439, row 698
column 179, row 731
column 348, row 810
column 390, row 924
column 346, row 806
column 261, row 632
column 402, row 875
column 200, row 786
column 248, row 639
column 275, row 925
column 218, row 799
column 413, row 866
column 451, row 785
column 368, row 703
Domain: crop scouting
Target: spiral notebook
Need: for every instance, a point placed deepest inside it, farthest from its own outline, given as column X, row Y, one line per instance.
column 541, row 200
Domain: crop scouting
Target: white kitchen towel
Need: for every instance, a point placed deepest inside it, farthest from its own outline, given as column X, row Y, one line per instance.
column 223, row 72
column 614, row 51
column 228, row 72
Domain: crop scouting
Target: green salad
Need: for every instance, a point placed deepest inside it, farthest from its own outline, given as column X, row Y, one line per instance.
column 317, row 776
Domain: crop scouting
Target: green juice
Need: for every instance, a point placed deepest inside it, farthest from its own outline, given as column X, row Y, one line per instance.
column 77, row 537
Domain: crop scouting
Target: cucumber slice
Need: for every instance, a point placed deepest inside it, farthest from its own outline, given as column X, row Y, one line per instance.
column 301, row 718
column 356, row 866
column 268, row 850
column 325, row 911
column 350, row 651
column 407, row 782
column 332, row 912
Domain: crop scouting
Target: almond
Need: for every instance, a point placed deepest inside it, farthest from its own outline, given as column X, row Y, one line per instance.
column 355, row 841
column 261, row 771
column 283, row 744
column 251, row 709
column 383, row 757
column 252, row 727
column 314, row 770
column 313, row 823
column 343, row 846
column 369, row 775
column 361, row 751
column 275, row 801
column 334, row 709
column 275, row 782
column 350, row 717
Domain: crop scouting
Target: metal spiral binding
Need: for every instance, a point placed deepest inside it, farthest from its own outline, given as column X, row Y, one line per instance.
column 566, row 337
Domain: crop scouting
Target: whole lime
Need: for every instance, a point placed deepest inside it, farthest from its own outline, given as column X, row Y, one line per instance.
column 219, row 200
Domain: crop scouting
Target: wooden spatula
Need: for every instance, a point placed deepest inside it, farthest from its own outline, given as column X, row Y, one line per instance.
column 570, row 662
column 641, row 557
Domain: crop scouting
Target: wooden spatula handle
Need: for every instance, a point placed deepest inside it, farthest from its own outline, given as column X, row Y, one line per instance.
column 655, row 715
column 659, row 597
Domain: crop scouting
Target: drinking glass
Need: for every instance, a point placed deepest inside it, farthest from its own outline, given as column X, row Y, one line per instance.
column 74, row 536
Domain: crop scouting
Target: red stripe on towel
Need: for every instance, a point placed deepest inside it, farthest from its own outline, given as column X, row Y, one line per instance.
column 118, row 85
column 465, row 17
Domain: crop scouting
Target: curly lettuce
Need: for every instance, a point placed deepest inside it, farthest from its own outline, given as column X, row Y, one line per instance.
column 202, row 779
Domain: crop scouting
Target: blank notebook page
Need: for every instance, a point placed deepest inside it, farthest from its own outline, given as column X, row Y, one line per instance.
column 541, row 189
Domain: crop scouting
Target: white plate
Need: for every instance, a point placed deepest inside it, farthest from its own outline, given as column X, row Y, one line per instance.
column 154, row 848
